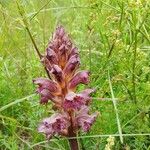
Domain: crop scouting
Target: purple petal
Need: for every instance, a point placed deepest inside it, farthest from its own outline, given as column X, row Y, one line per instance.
column 51, row 56
column 74, row 51
column 86, row 94
column 46, row 63
column 84, row 120
column 68, row 103
column 71, row 66
column 60, row 31
column 46, row 128
column 73, row 101
column 44, row 100
column 62, row 49
column 45, row 96
column 47, row 84
column 83, row 111
column 59, row 125
column 80, row 77
column 54, row 45
column 58, row 74
column 46, row 93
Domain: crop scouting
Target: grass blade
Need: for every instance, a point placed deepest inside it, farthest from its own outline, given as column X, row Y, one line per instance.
column 15, row 102
column 115, row 108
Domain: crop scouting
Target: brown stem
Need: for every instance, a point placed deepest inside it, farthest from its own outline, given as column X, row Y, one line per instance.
column 72, row 133
column 73, row 142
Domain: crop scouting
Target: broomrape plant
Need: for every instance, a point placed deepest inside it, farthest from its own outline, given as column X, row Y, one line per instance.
column 62, row 62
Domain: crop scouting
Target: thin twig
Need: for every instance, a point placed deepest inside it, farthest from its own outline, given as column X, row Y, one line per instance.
column 30, row 35
column 40, row 9
column 27, row 28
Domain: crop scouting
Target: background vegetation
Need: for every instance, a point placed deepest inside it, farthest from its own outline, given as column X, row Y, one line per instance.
column 113, row 37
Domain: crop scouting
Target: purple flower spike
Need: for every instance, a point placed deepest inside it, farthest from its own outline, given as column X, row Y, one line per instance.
column 80, row 77
column 62, row 62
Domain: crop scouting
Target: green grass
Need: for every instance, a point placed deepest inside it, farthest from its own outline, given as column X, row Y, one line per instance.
column 112, row 35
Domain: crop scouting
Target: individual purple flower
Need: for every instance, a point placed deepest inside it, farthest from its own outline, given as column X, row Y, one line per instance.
column 86, row 94
column 73, row 101
column 71, row 66
column 76, row 101
column 80, row 77
column 50, row 85
column 56, row 124
column 51, row 56
column 45, row 96
column 58, row 74
column 84, row 120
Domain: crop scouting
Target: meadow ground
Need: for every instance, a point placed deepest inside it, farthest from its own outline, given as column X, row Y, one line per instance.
column 113, row 37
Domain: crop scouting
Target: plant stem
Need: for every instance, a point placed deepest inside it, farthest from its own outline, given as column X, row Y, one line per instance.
column 73, row 142
column 72, row 134
column 133, row 69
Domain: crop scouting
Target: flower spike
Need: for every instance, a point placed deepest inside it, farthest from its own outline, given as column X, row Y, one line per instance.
column 72, row 109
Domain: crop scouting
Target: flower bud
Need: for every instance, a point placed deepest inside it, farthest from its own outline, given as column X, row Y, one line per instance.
column 51, row 56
